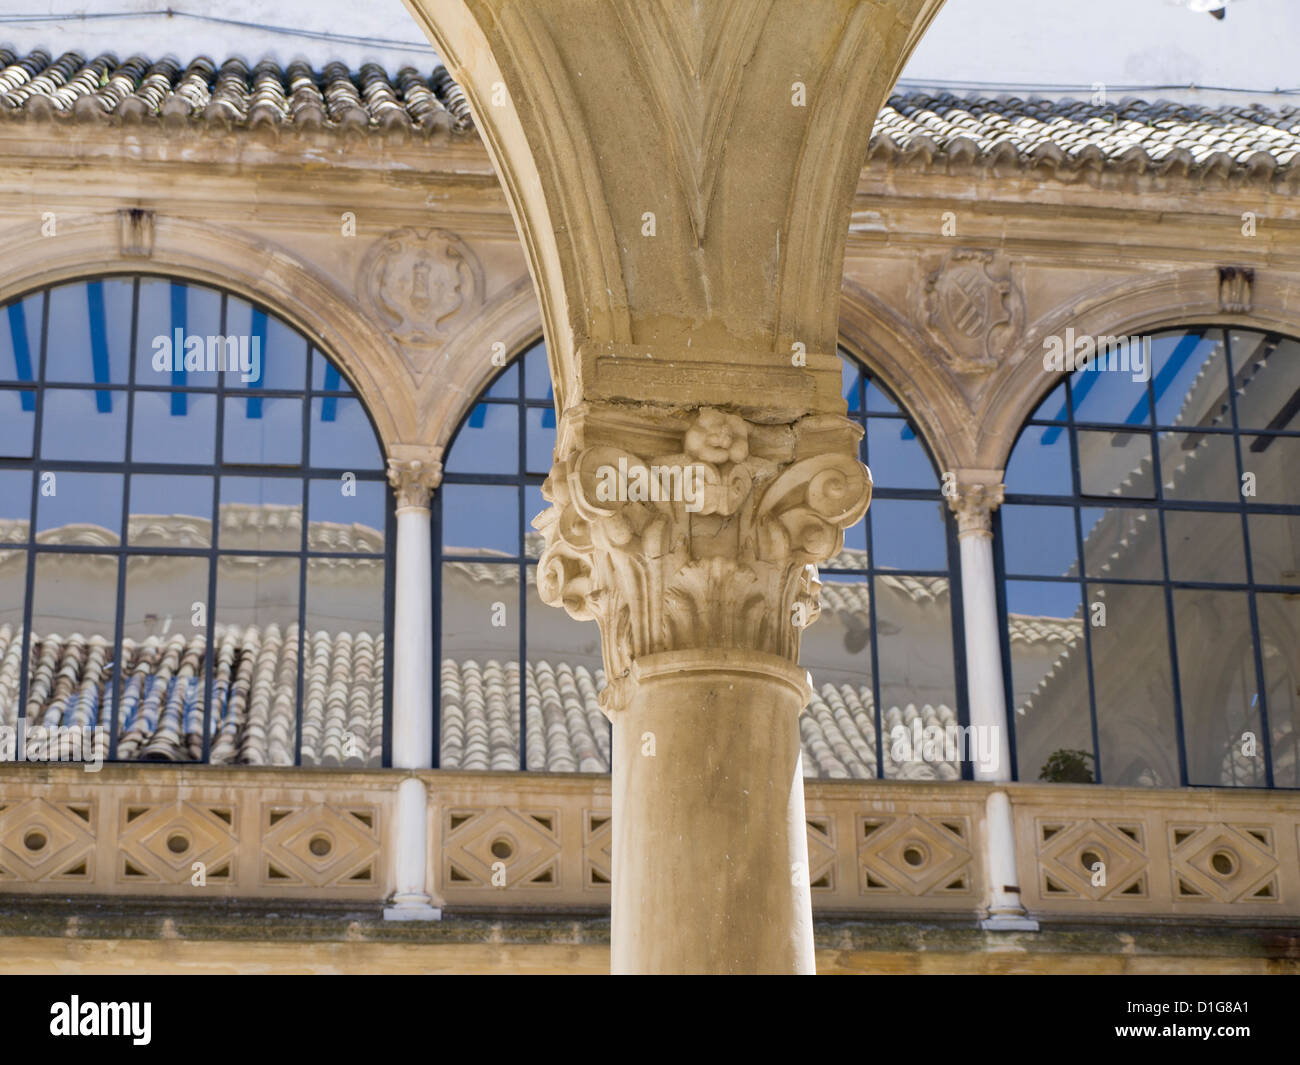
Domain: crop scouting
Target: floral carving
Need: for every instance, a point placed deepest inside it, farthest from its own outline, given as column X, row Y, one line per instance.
column 736, row 570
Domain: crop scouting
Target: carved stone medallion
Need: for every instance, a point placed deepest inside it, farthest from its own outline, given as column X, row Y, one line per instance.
column 973, row 310
column 418, row 280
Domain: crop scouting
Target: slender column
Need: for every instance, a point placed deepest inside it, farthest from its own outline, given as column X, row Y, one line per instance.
column 974, row 503
column 412, row 721
column 701, row 594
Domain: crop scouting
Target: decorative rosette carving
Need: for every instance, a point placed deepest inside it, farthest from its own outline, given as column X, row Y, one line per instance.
column 713, row 543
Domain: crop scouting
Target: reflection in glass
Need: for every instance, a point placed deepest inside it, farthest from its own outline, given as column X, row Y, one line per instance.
column 1268, row 380
column 343, row 674
column 170, row 510
column 13, row 585
column 17, row 423
column 164, row 658
column 895, row 455
column 79, row 508
column 1272, row 464
column 90, row 426
column 1220, row 693
column 565, row 729
column 261, row 514
column 1121, row 543
column 15, row 507
column 347, row 515
column 1275, row 548
column 479, row 671
column 1115, row 464
column 90, row 331
column 174, row 427
column 255, row 633
column 1204, row 547
column 1048, row 673
column 20, row 339
column 70, row 664
column 1040, row 463
column 341, row 437
column 1190, row 377
column 1039, row 541
column 909, row 534
column 262, row 431
column 1279, row 627
column 488, row 442
column 480, row 519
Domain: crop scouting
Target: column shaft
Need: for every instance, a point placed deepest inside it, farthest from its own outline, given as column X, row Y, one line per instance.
column 710, row 841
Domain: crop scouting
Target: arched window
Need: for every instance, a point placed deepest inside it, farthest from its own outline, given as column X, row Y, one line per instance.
column 877, row 662
column 1149, row 553
column 193, row 518
column 886, row 654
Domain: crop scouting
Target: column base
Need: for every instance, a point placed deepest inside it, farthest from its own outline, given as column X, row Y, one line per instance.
column 412, row 908
column 1006, row 922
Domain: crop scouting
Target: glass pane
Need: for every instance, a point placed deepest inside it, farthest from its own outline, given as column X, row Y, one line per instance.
column 1133, row 682
column 80, row 508
column 179, row 340
column 1279, row 630
column 1039, row 541
column 1275, row 548
column 534, row 504
column 537, row 374
column 480, row 519
column 1272, row 468
column 1113, row 386
column 909, row 534
column 1204, row 547
column 895, row 455
column 1115, row 464
column 69, row 672
column 17, row 423
column 541, row 439
column 261, row 514
column 878, row 402
column 1122, row 542
column 168, row 510
column 256, row 621
column 854, row 554
column 479, row 666
column 849, row 377
column 566, row 732
column 1040, row 463
column 1220, row 695
column 164, row 638
column 263, row 431
column 15, row 506
column 1268, row 380
column 838, row 729
column 341, row 436
column 84, row 425
column 343, row 679
column 1191, row 377
column 918, row 687
column 1049, row 680
column 347, row 515
column 20, row 339
column 90, row 331
column 1053, row 408
column 325, row 376
column 174, row 427
column 1200, row 466
column 13, row 591
column 488, row 442
column 506, row 386
column 277, row 353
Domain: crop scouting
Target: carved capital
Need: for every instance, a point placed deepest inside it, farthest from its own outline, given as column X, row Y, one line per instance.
column 695, row 529
column 414, row 480
column 974, row 503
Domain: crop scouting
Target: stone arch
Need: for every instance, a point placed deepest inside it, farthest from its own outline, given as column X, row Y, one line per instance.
column 1129, row 306
column 248, row 267
column 897, row 355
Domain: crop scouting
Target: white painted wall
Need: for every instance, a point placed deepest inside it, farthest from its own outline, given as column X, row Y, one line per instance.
column 989, row 44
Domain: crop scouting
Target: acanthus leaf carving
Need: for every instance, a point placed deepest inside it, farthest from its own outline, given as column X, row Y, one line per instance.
column 730, row 563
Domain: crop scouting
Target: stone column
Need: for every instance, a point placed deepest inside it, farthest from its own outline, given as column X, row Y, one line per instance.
column 682, row 176
column 692, row 537
column 977, row 494
column 413, row 480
